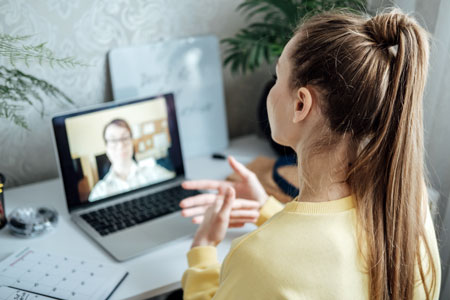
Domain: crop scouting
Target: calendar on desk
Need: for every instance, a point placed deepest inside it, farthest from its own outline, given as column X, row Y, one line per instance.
column 57, row 276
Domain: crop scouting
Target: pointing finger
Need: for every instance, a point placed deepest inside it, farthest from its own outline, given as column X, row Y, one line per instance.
column 189, row 212
column 239, row 168
column 244, row 214
column 228, row 201
column 245, row 204
column 204, row 184
column 198, row 200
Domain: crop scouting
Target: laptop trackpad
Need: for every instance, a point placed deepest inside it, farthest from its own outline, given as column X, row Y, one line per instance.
column 145, row 237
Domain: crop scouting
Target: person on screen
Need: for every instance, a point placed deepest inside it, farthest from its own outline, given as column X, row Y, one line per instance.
column 125, row 173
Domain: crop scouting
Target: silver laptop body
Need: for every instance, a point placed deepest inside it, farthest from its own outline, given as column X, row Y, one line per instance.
column 140, row 238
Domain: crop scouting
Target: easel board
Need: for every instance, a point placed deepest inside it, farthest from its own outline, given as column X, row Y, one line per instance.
column 191, row 69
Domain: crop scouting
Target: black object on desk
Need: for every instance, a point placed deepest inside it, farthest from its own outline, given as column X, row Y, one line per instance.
column 2, row 202
column 218, row 156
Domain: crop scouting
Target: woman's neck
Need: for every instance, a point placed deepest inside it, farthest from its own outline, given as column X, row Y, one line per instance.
column 122, row 170
column 322, row 177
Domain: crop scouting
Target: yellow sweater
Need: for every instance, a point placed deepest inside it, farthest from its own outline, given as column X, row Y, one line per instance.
column 306, row 251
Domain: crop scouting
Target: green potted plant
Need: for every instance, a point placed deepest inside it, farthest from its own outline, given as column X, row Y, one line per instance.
column 19, row 89
column 271, row 25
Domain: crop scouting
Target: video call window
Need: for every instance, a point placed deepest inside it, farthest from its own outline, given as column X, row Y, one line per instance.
column 120, row 149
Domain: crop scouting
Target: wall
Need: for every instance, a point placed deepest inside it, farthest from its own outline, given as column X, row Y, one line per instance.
column 437, row 125
column 87, row 29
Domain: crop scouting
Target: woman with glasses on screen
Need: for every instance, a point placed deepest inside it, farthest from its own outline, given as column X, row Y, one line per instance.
column 125, row 173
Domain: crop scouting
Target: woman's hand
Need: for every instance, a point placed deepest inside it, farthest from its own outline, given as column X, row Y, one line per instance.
column 249, row 192
column 215, row 222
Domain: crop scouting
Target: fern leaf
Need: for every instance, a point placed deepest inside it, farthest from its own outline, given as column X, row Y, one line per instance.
column 18, row 89
column 10, row 49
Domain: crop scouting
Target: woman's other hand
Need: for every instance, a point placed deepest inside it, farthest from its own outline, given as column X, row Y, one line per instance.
column 215, row 222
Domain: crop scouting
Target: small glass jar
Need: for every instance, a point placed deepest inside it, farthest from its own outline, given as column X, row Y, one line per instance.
column 30, row 222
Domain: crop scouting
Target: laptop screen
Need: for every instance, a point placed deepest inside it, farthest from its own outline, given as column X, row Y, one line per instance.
column 117, row 148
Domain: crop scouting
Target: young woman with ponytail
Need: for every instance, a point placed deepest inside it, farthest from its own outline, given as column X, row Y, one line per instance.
column 348, row 100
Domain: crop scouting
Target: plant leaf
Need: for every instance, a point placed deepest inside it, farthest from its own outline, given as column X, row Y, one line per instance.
column 264, row 38
column 10, row 48
column 18, row 89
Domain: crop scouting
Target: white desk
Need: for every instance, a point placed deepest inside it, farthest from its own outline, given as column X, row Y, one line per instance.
column 152, row 274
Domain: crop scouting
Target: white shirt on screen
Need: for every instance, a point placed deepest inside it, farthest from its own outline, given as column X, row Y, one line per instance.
column 144, row 173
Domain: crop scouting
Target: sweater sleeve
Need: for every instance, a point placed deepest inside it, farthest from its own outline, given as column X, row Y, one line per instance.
column 271, row 207
column 201, row 279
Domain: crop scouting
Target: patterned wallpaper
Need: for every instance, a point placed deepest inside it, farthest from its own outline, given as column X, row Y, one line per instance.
column 87, row 29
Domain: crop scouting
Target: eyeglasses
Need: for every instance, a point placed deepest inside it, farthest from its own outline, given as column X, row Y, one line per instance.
column 115, row 142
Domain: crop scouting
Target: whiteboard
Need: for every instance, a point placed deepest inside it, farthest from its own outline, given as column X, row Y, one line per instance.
column 191, row 69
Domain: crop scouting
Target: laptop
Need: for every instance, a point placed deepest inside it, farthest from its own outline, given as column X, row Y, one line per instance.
column 122, row 168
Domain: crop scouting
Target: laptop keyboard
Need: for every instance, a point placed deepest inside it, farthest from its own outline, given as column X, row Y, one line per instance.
column 136, row 211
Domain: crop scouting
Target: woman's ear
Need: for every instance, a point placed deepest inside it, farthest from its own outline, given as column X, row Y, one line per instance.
column 302, row 104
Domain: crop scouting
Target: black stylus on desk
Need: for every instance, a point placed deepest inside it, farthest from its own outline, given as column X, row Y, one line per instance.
column 218, row 156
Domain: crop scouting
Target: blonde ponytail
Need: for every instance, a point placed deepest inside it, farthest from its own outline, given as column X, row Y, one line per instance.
column 373, row 72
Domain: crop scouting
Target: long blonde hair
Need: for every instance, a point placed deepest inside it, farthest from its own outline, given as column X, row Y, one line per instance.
column 372, row 72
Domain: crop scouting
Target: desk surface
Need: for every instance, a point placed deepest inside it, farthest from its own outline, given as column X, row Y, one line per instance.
column 152, row 274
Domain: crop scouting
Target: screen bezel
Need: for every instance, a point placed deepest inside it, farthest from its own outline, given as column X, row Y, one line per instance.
column 64, row 158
